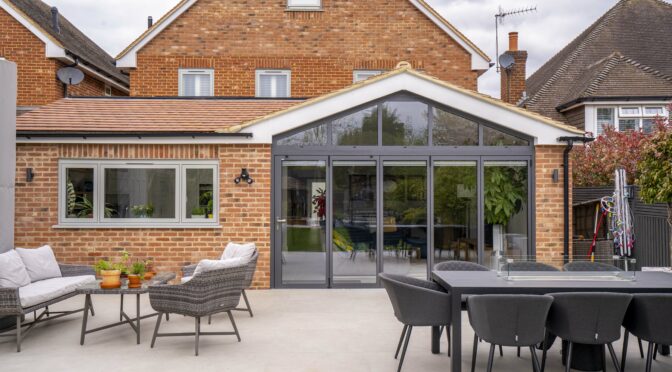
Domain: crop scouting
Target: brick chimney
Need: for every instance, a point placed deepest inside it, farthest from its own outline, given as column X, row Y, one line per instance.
column 513, row 77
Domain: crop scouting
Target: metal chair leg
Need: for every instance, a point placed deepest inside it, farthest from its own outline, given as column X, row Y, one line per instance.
column 233, row 323
column 93, row 312
column 18, row 333
column 448, row 337
column 501, row 351
column 641, row 348
column 535, row 360
column 403, row 352
column 247, row 304
column 209, row 319
column 624, row 354
column 473, row 355
column 568, row 367
column 198, row 331
column 401, row 340
column 518, row 352
column 649, row 357
column 544, row 346
column 604, row 358
column 156, row 329
column 655, row 351
column 614, row 359
column 491, row 357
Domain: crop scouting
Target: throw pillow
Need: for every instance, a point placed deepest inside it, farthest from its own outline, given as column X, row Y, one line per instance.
column 209, row 265
column 13, row 272
column 40, row 263
column 234, row 250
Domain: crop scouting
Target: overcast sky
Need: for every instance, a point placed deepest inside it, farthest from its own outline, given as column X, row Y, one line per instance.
column 542, row 34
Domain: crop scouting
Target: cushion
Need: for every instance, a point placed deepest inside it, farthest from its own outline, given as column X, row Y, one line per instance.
column 13, row 272
column 209, row 265
column 40, row 263
column 185, row 279
column 234, row 250
column 48, row 289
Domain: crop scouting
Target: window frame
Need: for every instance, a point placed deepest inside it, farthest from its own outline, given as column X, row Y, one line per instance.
column 304, row 7
column 622, row 115
column 195, row 71
column 99, row 220
column 272, row 72
column 645, row 107
column 371, row 73
column 618, row 116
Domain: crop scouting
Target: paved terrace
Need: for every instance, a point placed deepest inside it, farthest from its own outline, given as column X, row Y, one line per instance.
column 293, row 330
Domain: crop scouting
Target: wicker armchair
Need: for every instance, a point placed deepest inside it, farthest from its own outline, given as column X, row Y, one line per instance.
column 10, row 304
column 188, row 271
column 207, row 293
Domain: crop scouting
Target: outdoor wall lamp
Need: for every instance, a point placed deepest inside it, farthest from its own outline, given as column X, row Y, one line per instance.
column 29, row 175
column 244, row 176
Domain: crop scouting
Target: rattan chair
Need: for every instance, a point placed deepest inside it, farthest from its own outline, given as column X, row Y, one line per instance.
column 207, row 293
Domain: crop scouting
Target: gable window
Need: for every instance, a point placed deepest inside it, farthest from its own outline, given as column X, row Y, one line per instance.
column 138, row 193
column 273, row 83
column 196, row 83
column 304, row 4
column 359, row 75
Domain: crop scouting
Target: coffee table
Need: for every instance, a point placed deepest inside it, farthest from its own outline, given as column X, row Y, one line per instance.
column 94, row 288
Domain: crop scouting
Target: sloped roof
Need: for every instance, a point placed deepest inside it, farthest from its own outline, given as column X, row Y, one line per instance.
column 626, row 52
column 130, row 115
column 70, row 38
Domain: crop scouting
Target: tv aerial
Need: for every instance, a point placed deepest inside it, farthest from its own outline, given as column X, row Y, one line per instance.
column 70, row 76
column 499, row 18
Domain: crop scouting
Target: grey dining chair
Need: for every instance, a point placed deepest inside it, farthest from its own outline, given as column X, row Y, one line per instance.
column 648, row 318
column 508, row 320
column 528, row 266
column 416, row 303
column 589, row 266
column 587, row 318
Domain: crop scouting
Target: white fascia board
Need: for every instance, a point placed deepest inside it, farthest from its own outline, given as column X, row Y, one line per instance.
column 543, row 133
column 95, row 74
column 52, row 49
column 137, row 141
column 628, row 103
column 477, row 61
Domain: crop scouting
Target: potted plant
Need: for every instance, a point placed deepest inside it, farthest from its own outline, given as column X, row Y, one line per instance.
column 110, row 273
column 206, row 202
column 143, row 210
column 198, row 213
column 136, row 274
column 505, row 194
column 149, row 267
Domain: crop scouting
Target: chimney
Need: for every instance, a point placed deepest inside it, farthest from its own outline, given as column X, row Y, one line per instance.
column 54, row 19
column 150, row 22
column 513, row 75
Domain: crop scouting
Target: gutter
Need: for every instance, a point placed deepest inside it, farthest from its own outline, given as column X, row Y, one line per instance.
column 28, row 134
column 577, row 101
column 565, row 158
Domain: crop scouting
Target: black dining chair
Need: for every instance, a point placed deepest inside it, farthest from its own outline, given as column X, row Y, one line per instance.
column 648, row 318
column 416, row 303
column 528, row 266
column 589, row 266
column 587, row 318
column 508, row 320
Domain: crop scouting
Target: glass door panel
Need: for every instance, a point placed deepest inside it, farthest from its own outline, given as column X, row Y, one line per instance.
column 405, row 218
column 506, row 204
column 455, row 211
column 354, row 230
column 301, row 223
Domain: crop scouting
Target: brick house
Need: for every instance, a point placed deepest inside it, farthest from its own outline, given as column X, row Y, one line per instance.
column 338, row 164
column 41, row 41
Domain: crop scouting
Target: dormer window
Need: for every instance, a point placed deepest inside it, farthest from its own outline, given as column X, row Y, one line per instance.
column 304, row 4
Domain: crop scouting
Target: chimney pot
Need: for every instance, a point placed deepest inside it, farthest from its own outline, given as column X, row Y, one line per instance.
column 513, row 41
column 54, row 19
column 150, row 22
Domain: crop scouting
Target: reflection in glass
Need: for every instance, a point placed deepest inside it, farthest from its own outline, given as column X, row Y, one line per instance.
column 405, row 218
column 405, row 123
column 455, row 211
column 358, row 129
column 140, row 193
column 506, row 210
column 302, row 222
column 200, row 198
column 354, row 230
column 315, row 136
column 453, row 130
column 79, row 200
column 494, row 137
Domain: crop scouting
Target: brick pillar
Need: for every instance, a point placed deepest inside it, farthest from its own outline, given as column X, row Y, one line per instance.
column 513, row 77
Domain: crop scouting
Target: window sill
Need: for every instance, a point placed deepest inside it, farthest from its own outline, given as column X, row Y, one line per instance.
column 145, row 226
column 304, row 9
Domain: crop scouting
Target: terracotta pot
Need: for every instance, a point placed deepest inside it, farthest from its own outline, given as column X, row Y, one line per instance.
column 149, row 275
column 134, row 281
column 111, row 279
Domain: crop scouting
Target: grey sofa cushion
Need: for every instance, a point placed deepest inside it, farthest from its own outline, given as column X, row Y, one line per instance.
column 40, row 263
column 13, row 272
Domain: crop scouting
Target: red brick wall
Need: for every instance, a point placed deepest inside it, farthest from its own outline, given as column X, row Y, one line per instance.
column 244, row 209
column 321, row 48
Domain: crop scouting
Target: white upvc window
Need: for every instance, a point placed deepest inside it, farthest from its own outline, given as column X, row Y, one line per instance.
column 653, row 111
column 138, row 193
column 304, row 4
column 629, row 111
column 108, row 91
column 628, row 117
column 196, row 82
column 605, row 118
column 359, row 75
column 273, row 83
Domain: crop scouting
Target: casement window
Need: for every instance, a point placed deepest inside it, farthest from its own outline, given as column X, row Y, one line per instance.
column 138, row 193
column 273, row 83
column 196, row 83
column 628, row 118
column 605, row 118
column 359, row 75
column 304, row 4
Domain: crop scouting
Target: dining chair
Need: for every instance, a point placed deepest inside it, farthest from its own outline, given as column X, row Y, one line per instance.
column 587, row 318
column 648, row 318
column 528, row 266
column 508, row 320
column 416, row 303
column 589, row 266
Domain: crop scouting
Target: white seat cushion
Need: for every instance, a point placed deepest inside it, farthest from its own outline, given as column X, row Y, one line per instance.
column 185, row 279
column 40, row 263
column 45, row 290
column 13, row 272
column 234, row 250
column 209, row 265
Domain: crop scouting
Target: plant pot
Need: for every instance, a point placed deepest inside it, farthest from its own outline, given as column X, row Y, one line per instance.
column 134, row 281
column 111, row 279
column 149, row 275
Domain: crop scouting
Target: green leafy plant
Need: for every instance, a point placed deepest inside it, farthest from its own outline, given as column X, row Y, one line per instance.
column 505, row 193
column 198, row 211
column 143, row 210
column 103, row 265
column 206, row 202
column 138, row 268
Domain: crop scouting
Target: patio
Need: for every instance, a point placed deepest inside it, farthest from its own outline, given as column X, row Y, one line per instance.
column 293, row 330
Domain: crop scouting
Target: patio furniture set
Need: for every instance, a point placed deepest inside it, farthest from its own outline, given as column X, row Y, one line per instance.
column 586, row 314
column 31, row 280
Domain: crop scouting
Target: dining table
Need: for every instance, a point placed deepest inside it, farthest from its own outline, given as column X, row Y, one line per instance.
column 465, row 283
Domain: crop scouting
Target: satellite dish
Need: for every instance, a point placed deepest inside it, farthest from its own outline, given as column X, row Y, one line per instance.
column 506, row 61
column 70, row 75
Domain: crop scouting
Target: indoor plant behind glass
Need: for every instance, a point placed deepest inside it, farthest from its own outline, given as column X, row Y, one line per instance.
column 198, row 213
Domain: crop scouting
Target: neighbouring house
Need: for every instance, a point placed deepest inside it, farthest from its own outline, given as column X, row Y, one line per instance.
column 335, row 176
column 41, row 41
column 616, row 73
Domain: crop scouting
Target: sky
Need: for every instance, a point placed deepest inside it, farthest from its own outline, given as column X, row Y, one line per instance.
column 542, row 33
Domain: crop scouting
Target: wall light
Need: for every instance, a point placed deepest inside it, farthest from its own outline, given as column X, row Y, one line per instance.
column 244, row 176
column 29, row 175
